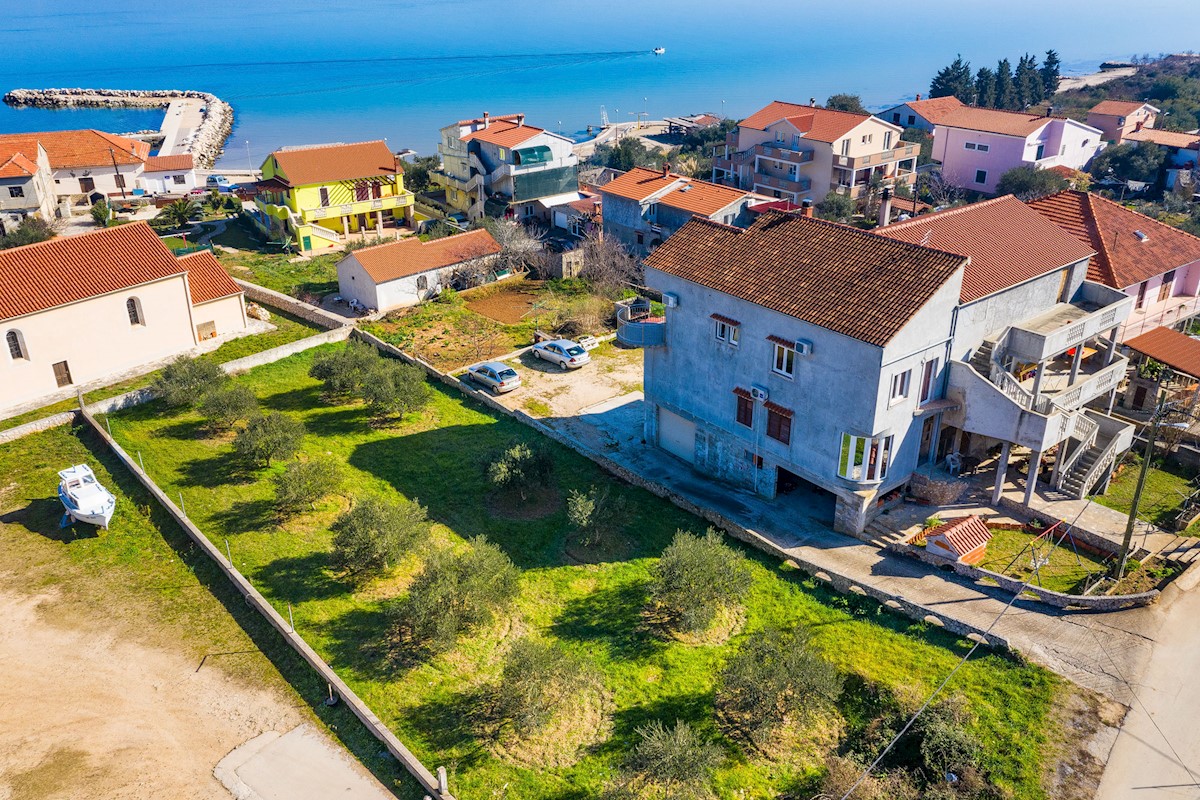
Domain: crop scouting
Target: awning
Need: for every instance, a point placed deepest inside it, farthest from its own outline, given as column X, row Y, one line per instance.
column 1179, row 352
column 538, row 154
column 559, row 199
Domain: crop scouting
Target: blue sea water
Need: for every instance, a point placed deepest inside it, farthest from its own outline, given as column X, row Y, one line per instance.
column 305, row 71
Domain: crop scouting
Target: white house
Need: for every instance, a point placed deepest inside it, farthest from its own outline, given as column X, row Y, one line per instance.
column 86, row 162
column 978, row 145
column 405, row 272
column 169, row 174
column 26, row 188
column 82, row 310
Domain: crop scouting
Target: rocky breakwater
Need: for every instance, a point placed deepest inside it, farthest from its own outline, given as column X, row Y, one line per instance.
column 205, row 145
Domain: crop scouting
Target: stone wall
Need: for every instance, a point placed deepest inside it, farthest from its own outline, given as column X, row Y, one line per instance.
column 38, row 425
column 293, row 306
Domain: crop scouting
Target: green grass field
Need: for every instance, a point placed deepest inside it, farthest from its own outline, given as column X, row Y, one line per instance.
column 1166, row 488
column 150, row 583
column 316, row 276
column 589, row 601
column 1065, row 572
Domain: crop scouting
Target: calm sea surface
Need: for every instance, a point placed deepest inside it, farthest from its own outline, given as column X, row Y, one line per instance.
column 304, row 71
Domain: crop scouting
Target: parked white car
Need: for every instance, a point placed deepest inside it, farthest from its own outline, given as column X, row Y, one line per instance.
column 498, row 377
column 564, row 352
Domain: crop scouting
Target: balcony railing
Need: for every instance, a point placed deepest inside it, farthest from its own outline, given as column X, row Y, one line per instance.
column 358, row 207
column 900, row 152
column 636, row 328
column 783, row 184
column 1097, row 309
column 781, row 153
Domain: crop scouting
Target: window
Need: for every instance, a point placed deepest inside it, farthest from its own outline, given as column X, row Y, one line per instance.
column 652, row 212
column 324, row 192
column 795, row 140
column 422, row 283
column 864, row 458
column 969, row 146
column 868, row 138
column 1041, row 151
column 845, row 147
column 119, row 179
column 640, row 238
column 982, row 148
column 16, row 346
column 179, row 180
column 1168, row 283
column 745, row 411
column 900, row 384
column 134, row 309
column 727, row 332
column 896, row 117
column 779, row 136
column 16, row 191
column 1141, row 298
column 1062, row 151
column 785, row 360
column 981, row 176
column 503, row 154
column 779, row 425
column 362, row 192
column 887, row 140
column 912, row 119
column 928, row 380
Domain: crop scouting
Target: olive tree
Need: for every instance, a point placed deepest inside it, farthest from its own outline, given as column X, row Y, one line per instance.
column 596, row 513
column 539, row 680
column 345, row 371
column 185, row 380
column 393, row 387
column 227, row 405
column 676, row 760
column 521, row 467
column 695, row 577
column 268, row 438
column 374, row 535
column 303, row 483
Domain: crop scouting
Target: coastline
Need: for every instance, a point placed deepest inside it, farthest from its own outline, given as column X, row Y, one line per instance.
column 206, row 141
column 1098, row 78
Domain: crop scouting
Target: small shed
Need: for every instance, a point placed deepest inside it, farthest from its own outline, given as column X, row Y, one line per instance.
column 964, row 540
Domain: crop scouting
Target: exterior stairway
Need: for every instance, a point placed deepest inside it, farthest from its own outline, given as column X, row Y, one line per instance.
column 1183, row 549
column 1080, row 480
column 881, row 535
column 981, row 359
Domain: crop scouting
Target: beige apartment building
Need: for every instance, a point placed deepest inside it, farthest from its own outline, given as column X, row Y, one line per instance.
column 795, row 152
column 78, row 310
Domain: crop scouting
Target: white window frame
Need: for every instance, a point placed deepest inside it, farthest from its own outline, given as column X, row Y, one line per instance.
column 786, row 355
column 930, row 369
column 854, row 457
column 724, row 332
column 901, row 387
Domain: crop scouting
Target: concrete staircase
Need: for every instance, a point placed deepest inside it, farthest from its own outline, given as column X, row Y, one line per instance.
column 879, row 534
column 981, row 359
column 1181, row 549
column 1072, row 483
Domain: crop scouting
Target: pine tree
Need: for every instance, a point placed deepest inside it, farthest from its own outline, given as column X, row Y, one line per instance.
column 953, row 80
column 1006, row 91
column 1029, row 82
column 985, row 88
column 1049, row 73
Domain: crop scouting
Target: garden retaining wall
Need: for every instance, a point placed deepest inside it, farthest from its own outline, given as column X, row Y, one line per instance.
column 252, row 596
column 317, row 316
column 38, row 425
column 839, row 582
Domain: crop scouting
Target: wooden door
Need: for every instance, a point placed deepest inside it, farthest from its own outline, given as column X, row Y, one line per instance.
column 62, row 373
column 927, row 436
column 87, row 185
column 1139, row 398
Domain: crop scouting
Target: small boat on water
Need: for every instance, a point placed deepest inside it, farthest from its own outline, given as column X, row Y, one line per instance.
column 83, row 498
column 658, row 51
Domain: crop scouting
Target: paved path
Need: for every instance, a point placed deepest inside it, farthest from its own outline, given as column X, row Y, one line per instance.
column 179, row 125
column 1093, row 650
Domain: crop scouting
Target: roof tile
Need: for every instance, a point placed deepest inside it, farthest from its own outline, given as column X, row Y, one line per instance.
column 686, row 194
column 335, row 162
column 180, row 161
column 816, row 123
column 1179, row 139
column 411, row 256
column 1171, row 347
column 993, row 120
column 1117, row 108
column 504, row 133
column 935, row 109
column 963, row 535
column 81, row 148
column 207, row 279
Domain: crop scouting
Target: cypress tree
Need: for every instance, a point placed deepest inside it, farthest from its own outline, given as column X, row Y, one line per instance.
column 1049, row 73
column 953, row 80
column 985, row 88
column 1006, row 91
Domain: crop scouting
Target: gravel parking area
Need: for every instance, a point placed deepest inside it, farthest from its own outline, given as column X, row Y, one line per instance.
column 547, row 391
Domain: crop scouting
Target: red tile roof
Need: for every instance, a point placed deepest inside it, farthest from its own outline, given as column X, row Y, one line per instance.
column 1007, row 241
column 65, row 270
column 935, row 109
column 18, row 166
column 586, row 205
column 834, row 276
column 411, row 256
column 1177, row 351
column 639, row 183
column 1122, row 258
column 180, row 162
column 1117, row 108
column 504, row 133
column 1184, row 141
column 963, row 535
column 82, row 148
column 686, row 194
column 335, row 162
column 993, row 120
column 207, row 279
column 819, row 124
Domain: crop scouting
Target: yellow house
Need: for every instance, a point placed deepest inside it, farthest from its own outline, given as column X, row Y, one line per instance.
column 325, row 195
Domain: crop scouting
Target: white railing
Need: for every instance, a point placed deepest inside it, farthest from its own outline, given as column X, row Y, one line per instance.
column 325, row 233
column 1034, row 346
column 1085, row 430
column 1103, row 381
column 1105, row 460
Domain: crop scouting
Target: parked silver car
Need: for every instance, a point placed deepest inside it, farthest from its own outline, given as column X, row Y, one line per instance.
column 564, row 352
column 498, row 377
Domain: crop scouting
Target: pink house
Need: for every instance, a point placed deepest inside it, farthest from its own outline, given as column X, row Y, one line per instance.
column 977, row 145
column 1116, row 119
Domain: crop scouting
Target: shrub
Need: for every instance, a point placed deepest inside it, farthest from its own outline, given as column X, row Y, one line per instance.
column 842, row 773
column 675, row 760
column 227, row 405
column 373, row 535
column 776, row 677
column 393, row 387
column 595, row 513
column 539, row 680
column 344, row 371
column 180, row 212
column 185, row 380
column 455, row 593
column 31, row 231
column 101, row 213
column 695, row 577
column 932, row 522
column 1029, row 182
column 946, row 743
column 521, row 467
column 265, row 439
column 836, row 207
column 303, row 483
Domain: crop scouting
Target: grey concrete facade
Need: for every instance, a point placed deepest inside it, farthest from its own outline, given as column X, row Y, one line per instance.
column 633, row 224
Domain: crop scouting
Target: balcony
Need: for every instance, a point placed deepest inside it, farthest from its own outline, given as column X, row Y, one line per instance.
column 368, row 206
column 1096, row 309
column 636, row 327
column 900, row 152
column 797, row 185
column 780, row 153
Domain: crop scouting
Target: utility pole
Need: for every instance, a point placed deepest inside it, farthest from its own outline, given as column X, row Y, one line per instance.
column 117, row 172
column 1127, row 540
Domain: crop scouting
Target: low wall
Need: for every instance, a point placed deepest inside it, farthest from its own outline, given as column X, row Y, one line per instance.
column 38, row 425
column 254, row 598
column 285, row 350
column 839, row 582
column 291, row 305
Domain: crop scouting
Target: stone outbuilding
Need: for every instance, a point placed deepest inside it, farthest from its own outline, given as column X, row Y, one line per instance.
column 963, row 540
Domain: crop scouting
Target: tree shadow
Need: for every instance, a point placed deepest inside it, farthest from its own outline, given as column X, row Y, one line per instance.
column 303, row 399
column 298, row 579
column 459, row 722
column 694, row 708
column 222, row 469
column 361, row 641
column 184, row 429
column 43, row 517
column 245, row 516
column 354, row 419
column 612, row 617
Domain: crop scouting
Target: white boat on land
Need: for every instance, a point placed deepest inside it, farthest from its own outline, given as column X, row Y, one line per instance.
column 658, row 51
column 83, row 498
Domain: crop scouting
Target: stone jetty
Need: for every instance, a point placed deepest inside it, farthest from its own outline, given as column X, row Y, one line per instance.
column 205, row 144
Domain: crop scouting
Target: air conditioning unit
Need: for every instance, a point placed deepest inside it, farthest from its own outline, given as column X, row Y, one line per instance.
column 670, row 300
column 759, row 393
column 804, row 347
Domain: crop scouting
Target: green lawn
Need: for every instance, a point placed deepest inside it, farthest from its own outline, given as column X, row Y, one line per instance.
column 314, row 277
column 242, row 235
column 288, row 328
column 1065, row 572
column 1166, row 487
column 149, row 584
column 588, row 601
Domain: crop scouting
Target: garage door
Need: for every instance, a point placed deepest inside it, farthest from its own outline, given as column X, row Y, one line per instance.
column 677, row 435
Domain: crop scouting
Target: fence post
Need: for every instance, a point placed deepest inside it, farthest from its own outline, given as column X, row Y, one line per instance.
column 228, row 557
column 141, row 463
column 182, row 507
column 291, row 620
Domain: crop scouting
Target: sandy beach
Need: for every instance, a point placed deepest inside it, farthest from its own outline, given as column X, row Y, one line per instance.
column 1095, row 78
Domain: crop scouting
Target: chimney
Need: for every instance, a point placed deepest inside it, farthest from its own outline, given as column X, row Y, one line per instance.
column 812, row 101
column 1139, row 125
column 666, row 168
column 520, row 120
column 885, row 207
column 806, row 207
column 486, row 120
column 918, row 96
column 1049, row 111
